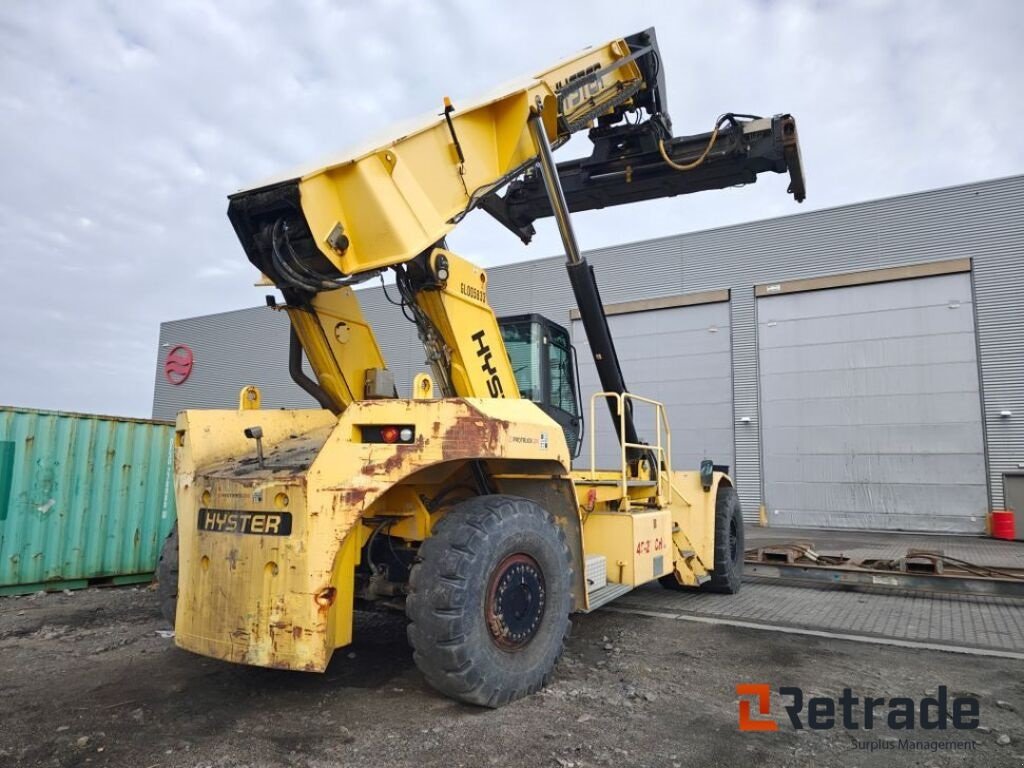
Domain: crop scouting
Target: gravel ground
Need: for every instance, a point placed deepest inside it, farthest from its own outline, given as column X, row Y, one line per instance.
column 87, row 680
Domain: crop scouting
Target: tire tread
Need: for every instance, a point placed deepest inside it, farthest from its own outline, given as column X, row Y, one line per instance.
column 438, row 630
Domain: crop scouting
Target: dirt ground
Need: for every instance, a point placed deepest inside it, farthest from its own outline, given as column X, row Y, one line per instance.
column 87, row 680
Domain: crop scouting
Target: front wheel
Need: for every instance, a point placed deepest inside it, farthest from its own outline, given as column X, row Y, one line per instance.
column 489, row 600
column 728, row 572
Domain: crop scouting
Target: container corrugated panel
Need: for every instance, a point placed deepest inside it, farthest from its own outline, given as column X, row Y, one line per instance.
column 81, row 497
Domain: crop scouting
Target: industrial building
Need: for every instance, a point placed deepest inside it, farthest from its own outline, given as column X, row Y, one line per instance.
column 860, row 367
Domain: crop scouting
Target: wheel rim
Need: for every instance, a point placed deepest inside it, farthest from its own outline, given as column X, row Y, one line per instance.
column 734, row 541
column 515, row 602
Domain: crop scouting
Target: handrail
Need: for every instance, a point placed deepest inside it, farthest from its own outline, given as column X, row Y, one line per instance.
column 664, row 452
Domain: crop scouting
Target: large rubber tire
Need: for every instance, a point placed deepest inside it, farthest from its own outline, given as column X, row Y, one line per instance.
column 167, row 576
column 487, row 553
column 727, row 575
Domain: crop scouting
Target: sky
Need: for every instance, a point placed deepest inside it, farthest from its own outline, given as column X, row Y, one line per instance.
column 124, row 126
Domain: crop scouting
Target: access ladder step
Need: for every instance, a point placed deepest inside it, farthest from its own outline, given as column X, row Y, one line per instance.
column 606, row 594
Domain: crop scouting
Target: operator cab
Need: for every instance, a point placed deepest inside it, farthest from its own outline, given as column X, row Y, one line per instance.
column 544, row 362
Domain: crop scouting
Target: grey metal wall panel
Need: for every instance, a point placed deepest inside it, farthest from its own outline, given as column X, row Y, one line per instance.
column 867, row 381
column 1013, row 488
column 679, row 356
column 843, row 372
column 852, row 354
column 250, row 346
column 746, row 414
column 998, row 276
column 868, row 438
column 857, row 505
column 231, row 350
column 983, row 221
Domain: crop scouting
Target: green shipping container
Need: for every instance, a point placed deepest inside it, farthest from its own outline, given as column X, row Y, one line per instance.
column 83, row 499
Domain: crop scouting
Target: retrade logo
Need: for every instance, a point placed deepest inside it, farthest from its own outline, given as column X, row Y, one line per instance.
column 899, row 713
column 178, row 364
column 762, row 693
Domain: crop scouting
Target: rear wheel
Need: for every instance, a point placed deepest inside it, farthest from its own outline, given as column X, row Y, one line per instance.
column 490, row 599
column 728, row 566
column 167, row 576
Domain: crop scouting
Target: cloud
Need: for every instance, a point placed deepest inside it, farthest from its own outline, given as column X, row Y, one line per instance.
column 123, row 127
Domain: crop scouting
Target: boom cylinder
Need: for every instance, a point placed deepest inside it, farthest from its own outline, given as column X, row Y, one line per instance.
column 584, row 288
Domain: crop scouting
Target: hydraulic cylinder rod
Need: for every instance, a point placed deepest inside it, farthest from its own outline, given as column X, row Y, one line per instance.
column 584, row 288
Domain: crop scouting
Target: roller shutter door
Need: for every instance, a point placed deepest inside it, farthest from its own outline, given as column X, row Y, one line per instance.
column 870, row 407
column 679, row 356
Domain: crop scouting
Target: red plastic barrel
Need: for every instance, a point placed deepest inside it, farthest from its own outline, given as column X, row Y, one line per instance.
column 1003, row 525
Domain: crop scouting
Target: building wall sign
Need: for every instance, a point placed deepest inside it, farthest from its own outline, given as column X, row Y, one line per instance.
column 178, row 364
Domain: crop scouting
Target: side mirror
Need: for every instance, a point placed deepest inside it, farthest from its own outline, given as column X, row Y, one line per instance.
column 707, row 470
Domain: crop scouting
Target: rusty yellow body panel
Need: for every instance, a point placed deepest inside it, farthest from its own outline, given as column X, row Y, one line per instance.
column 637, row 545
column 268, row 551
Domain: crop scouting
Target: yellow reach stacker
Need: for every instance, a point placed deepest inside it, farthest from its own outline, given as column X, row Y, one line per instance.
column 460, row 505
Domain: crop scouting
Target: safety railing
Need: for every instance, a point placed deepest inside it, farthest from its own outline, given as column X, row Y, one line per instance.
column 662, row 453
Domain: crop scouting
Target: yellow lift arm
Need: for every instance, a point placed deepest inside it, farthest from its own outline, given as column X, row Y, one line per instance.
column 345, row 220
column 386, row 204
